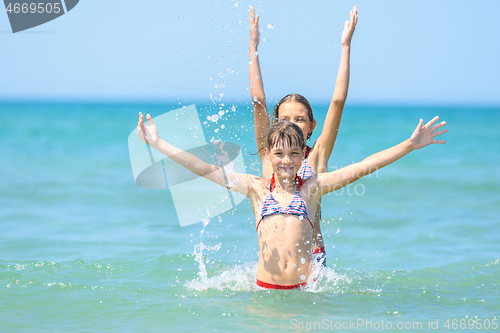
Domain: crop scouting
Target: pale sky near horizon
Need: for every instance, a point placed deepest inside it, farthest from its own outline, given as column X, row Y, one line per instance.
column 443, row 52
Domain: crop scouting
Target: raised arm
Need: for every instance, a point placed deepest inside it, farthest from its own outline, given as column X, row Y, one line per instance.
column 149, row 134
column 421, row 137
column 261, row 117
column 328, row 136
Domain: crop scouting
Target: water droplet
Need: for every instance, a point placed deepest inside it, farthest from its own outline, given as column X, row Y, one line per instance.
column 301, row 217
column 296, row 244
column 302, row 260
column 221, row 75
column 270, row 26
column 221, row 95
column 222, row 126
column 236, row 4
column 221, row 113
column 302, row 277
column 249, row 61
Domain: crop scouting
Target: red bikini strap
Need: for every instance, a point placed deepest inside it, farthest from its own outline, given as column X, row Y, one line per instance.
column 308, row 150
column 301, row 182
column 257, row 229
column 309, row 223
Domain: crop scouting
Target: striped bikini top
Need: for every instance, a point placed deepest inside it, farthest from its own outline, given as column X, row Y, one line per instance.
column 296, row 206
column 305, row 170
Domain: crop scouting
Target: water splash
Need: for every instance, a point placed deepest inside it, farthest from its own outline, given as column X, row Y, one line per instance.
column 198, row 253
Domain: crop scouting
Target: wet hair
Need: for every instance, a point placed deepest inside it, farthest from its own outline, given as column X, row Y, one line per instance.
column 293, row 98
column 285, row 134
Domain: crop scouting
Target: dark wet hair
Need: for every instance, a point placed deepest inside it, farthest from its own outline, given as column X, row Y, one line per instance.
column 293, row 98
column 286, row 134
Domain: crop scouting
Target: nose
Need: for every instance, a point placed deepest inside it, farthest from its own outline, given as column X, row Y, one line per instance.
column 286, row 159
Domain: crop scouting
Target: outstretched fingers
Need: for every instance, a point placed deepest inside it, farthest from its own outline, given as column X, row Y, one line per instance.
column 253, row 19
column 431, row 122
column 141, row 120
column 150, row 120
column 437, row 134
column 437, row 126
column 420, row 125
column 354, row 17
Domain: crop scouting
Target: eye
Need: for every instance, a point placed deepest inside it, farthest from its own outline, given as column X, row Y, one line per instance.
column 299, row 120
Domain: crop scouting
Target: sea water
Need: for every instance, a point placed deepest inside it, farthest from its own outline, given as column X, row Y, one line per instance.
column 413, row 247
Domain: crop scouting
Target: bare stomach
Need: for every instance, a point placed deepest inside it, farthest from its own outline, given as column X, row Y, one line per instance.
column 284, row 250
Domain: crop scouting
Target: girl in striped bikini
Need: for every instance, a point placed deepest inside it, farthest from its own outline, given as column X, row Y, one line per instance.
column 296, row 108
column 285, row 234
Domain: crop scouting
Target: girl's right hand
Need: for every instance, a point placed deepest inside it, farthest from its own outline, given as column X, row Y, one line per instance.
column 147, row 133
column 254, row 29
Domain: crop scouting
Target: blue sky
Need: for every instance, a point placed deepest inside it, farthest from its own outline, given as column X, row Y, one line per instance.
column 443, row 52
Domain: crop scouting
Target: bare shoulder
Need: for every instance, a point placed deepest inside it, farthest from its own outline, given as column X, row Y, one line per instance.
column 257, row 183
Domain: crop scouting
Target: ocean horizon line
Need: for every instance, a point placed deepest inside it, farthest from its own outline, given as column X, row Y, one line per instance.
column 206, row 101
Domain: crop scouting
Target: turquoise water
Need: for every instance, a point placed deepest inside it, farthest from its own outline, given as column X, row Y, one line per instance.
column 82, row 248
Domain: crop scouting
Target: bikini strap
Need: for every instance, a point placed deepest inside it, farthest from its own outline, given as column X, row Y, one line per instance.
column 301, row 182
column 308, row 150
column 257, row 229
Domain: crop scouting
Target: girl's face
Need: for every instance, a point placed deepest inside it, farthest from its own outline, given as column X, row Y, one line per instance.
column 296, row 113
column 286, row 161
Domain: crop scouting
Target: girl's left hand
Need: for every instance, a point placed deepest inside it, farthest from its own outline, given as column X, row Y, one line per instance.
column 349, row 28
column 424, row 135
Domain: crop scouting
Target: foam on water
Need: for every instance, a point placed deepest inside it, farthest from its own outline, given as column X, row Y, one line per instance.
column 242, row 277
